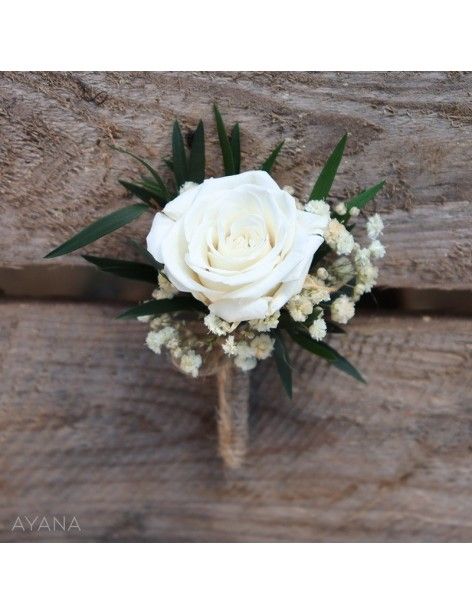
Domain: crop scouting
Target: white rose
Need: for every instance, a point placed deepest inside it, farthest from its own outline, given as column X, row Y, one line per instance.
column 238, row 244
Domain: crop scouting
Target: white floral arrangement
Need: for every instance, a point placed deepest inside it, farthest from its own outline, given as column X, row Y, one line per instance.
column 238, row 264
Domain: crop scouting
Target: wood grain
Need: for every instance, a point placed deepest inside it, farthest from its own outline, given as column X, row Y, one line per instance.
column 94, row 425
column 57, row 172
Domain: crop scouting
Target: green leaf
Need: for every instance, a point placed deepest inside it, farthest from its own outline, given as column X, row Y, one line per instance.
column 100, row 228
column 235, row 142
column 125, row 268
column 179, row 157
column 335, row 328
column 169, row 164
column 149, row 184
column 155, row 191
column 167, row 305
column 228, row 159
column 196, row 171
column 269, row 163
column 146, row 255
column 314, row 315
column 154, row 173
column 323, row 350
column 282, row 362
column 143, row 192
column 342, row 363
column 325, row 180
column 320, row 253
column 364, row 197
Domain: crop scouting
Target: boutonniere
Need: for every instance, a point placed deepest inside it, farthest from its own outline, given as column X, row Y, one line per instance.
column 240, row 265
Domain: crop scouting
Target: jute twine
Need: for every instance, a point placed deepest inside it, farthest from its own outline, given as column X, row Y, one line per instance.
column 232, row 414
column 232, row 411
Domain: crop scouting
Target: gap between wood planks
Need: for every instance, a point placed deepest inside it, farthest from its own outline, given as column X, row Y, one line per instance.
column 86, row 284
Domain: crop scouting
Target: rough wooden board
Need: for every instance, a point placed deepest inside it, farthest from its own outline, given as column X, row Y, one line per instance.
column 413, row 129
column 94, row 425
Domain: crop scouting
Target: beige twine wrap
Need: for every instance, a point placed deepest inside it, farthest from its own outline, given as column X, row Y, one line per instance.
column 232, row 414
column 232, row 411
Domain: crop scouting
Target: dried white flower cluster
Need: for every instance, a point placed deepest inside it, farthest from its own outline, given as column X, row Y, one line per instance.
column 318, row 329
column 342, row 309
column 329, row 292
column 339, row 238
column 175, row 336
column 187, row 349
column 165, row 289
column 353, row 269
column 317, row 206
column 245, row 345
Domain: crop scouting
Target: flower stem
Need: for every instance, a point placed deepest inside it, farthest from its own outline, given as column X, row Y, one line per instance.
column 232, row 414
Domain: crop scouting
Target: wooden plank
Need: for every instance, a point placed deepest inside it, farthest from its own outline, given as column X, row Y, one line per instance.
column 94, row 425
column 413, row 129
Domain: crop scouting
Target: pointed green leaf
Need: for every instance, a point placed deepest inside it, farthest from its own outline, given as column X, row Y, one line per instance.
column 167, row 305
column 282, row 363
column 169, row 164
column 364, row 197
column 335, row 328
column 270, row 161
column 323, row 350
column 228, row 160
column 144, row 193
column 320, row 253
column 146, row 255
column 325, row 180
column 125, row 268
column 179, row 157
column 100, row 228
column 154, row 173
column 154, row 189
column 196, row 170
column 235, row 142
column 342, row 363
column 314, row 315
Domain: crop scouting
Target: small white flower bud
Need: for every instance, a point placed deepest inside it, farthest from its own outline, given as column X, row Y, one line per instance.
column 299, row 307
column 318, row 329
column 217, row 325
column 342, row 309
column 165, row 289
column 374, row 226
column 340, row 209
column 266, row 324
column 190, row 363
column 188, row 185
column 155, row 340
column 229, row 346
column 262, row 346
column 376, row 249
column 318, row 206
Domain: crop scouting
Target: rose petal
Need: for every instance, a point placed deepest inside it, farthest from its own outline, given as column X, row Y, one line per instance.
column 161, row 226
column 236, row 310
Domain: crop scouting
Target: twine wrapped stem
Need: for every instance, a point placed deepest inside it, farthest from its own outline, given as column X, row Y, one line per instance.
column 232, row 414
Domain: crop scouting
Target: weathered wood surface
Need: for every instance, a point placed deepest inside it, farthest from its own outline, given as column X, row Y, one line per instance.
column 93, row 425
column 413, row 129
